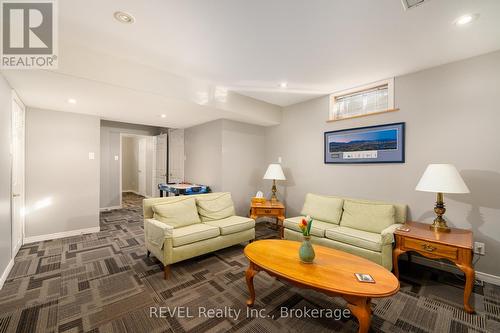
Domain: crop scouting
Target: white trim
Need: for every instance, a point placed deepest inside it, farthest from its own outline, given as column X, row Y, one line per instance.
column 105, row 209
column 6, row 272
column 493, row 279
column 120, row 161
column 17, row 100
column 16, row 249
column 63, row 234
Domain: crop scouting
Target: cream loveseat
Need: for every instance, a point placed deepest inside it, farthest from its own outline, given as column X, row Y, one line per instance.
column 361, row 227
column 178, row 228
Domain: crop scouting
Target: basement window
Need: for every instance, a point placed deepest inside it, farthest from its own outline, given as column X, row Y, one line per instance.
column 367, row 100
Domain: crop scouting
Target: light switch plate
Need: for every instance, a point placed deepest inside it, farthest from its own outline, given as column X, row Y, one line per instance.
column 479, row 248
column 116, row 157
column 91, row 156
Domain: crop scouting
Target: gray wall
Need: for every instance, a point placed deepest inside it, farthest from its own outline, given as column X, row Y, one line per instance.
column 129, row 164
column 203, row 150
column 62, row 183
column 452, row 115
column 5, row 180
column 243, row 162
column 228, row 156
column 110, row 147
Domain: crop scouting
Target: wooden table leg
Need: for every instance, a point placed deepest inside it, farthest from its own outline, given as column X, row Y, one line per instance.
column 395, row 255
column 360, row 308
column 469, row 285
column 250, row 273
column 281, row 229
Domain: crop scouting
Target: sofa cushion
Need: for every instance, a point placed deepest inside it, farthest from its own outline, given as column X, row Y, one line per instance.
column 215, row 207
column 232, row 224
column 323, row 208
column 359, row 238
column 367, row 216
column 318, row 228
column 193, row 233
column 179, row 213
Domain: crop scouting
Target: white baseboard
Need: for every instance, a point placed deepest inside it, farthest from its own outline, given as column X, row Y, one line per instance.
column 6, row 272
column 485, row 277
column 104, row 209
column 16, row 249
column 57, row 235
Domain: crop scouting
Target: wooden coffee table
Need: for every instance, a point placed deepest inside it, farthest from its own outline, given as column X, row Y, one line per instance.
column 331, row 273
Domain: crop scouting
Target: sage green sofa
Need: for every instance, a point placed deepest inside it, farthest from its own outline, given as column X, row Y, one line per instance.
column 183, row 227
column 361, row 227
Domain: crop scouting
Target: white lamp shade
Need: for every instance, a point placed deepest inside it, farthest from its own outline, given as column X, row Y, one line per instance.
column 274, row 171
column 443, row 178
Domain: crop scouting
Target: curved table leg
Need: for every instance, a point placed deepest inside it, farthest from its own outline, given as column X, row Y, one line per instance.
column 360, row 308
column 395, row 255
column 469, row 284
column 249, row 274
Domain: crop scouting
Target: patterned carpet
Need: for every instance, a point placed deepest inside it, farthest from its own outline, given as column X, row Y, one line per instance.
column 104, row 282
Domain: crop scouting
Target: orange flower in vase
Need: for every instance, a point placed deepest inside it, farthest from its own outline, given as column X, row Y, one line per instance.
column 306, row 251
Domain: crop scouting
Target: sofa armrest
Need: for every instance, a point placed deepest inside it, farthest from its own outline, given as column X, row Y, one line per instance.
column 156, row 232
column 388, row 233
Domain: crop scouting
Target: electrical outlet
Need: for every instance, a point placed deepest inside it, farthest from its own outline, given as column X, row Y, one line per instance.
column 479, row 248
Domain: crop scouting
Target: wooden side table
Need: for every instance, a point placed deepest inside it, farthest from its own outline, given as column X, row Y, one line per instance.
column 455, row 246
column 269, row 209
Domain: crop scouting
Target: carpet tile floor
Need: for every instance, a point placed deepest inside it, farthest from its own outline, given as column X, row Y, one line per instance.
column 103, row 282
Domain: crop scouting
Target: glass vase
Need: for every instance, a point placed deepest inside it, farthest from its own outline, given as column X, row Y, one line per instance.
column 306, row 251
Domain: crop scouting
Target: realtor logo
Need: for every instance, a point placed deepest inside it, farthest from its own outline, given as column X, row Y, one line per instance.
column 29, row 34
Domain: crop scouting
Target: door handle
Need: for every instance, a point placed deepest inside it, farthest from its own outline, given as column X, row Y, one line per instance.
column 15, row 195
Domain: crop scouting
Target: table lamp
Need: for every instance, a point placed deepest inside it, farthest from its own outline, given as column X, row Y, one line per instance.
column 275, row 173
column 441, row 178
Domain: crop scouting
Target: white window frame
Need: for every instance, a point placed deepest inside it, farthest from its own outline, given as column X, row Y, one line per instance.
column 390, row 98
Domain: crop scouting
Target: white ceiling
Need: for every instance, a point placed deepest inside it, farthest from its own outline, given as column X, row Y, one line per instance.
column 197, row 60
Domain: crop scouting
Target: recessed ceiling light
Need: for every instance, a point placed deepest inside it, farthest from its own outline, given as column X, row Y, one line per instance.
column 465, row 19
column 123, row 17
column 71, row 101
column 283, row 84
column 163, row 116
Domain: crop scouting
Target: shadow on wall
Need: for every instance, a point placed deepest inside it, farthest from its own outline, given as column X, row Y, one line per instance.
column 283, row 187
column 484, row 189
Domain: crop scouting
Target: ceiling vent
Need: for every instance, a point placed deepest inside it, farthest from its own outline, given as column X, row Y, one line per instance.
column 410, row 4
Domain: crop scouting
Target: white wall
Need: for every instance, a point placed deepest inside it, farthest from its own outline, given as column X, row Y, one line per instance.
column 110, row 147
column 62, row 183
column 5, row 179
column 228, row 156
column 452, row 115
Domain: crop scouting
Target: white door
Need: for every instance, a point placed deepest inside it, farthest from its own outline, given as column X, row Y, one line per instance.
column 141, row 169
column 18, row 115
column 160, row 164
column 176, row 156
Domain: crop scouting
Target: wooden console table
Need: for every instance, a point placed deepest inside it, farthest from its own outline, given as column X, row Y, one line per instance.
column 455, row 246
column 269, row 209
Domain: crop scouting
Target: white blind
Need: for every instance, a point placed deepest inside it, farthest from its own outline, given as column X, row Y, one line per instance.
column 362, row 102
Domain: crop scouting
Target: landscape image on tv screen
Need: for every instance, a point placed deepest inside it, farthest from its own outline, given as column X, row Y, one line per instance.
column 374, row 140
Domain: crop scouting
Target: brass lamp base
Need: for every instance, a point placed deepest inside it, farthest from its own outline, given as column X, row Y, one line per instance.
column 274, row 199
column 439, row 224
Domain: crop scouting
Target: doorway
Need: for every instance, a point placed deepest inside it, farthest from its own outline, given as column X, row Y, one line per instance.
column 17, row 186
column 136, row 168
